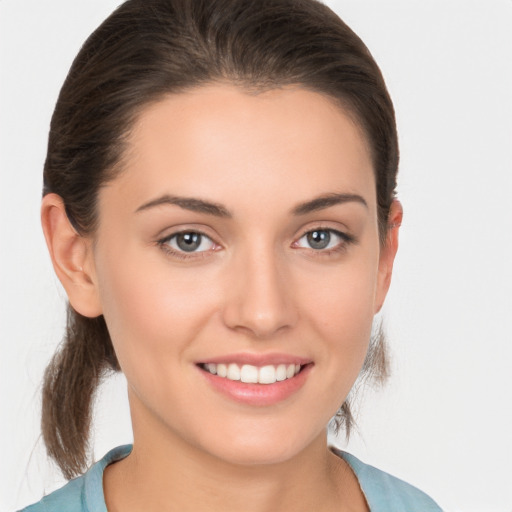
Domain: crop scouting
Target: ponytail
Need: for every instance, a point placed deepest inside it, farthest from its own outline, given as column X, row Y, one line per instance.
column 375, row 371
column 70, row 382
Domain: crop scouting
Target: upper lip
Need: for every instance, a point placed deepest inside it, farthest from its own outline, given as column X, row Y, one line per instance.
column 257, row 359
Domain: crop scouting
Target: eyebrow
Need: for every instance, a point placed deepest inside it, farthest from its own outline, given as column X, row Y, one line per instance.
column 210, row 208
column 187, row 203
column 326, row 201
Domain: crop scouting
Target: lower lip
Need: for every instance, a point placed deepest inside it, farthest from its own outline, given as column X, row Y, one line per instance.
column 258, row 394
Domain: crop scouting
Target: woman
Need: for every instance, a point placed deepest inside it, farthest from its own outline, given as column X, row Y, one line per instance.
column 219, row 205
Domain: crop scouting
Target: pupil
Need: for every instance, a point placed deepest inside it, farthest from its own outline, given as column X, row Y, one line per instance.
column 319, row 239
column 188, row 241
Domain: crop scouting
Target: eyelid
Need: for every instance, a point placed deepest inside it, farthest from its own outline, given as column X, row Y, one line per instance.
column 184, row 227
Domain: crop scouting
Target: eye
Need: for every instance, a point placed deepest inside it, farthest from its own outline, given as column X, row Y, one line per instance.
column 189, row 242
column 322, row 239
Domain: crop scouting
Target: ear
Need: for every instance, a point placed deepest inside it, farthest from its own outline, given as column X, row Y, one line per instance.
column 388, row 253
column 71, row 256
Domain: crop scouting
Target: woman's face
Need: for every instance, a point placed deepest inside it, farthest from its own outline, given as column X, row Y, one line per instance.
column 240, row 242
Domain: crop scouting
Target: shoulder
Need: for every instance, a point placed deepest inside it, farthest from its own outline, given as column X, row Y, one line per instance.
column 69, row 498
column 385, row 492
column 82, row 494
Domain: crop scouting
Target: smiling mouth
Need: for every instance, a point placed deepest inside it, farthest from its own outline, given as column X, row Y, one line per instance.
column 250, row 374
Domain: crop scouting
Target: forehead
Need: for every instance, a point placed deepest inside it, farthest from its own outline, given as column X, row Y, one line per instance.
column 222, row 139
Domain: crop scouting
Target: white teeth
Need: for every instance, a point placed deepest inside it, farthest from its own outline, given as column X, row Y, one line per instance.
column 249, row 374
column 222, row 370
column 252, row 374
column 233, row 372
column 281, row 372
column 267, row 375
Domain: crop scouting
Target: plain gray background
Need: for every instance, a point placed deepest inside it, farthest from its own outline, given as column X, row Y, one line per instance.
column 444, row 421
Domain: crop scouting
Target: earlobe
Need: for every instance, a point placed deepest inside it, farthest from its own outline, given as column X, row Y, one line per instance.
column 388, row 253
column 71, row 256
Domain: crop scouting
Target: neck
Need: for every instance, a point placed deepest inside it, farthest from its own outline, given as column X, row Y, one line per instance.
column 166, row 473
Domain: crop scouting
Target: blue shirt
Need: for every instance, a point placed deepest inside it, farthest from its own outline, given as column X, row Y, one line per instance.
column 383, row 492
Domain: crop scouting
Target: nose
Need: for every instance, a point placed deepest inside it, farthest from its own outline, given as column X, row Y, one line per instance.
column 259, row 298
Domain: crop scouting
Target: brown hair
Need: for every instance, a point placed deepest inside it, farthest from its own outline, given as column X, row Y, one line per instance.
column 150, row 48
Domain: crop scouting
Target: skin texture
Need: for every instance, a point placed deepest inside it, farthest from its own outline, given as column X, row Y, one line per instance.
column 255, row 286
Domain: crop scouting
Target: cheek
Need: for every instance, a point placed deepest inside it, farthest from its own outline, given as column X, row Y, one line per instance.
column 152, row 314
column 340, row 307
column 343, row 299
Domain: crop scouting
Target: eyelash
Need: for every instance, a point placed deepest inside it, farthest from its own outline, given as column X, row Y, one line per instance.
column 342, row 246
